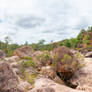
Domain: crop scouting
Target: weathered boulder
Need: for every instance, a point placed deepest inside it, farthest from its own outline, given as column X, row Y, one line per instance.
column 65, row 62
column 46, row 85
column 24, row 85
column 43, row 89
column 37, row 53
column 48, row 72
column 12, row 59
column 8, row 79
column 24, row 51
column 14, row 64
column 89, row 54
column 83, row 77
column 2, row 54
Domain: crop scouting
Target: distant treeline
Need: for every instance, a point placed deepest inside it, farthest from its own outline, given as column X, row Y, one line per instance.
column 83, row 40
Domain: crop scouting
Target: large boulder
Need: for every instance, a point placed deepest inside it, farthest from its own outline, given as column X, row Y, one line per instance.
column 65, row 62
column 83, row 77
column 8, row 79
column 46, row 85
column 25, row 85
column 24, row 51
column 12, row 59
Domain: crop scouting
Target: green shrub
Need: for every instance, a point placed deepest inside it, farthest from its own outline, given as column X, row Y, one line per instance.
column 66, row 59
column 44, row 57
column 28, row 63
column 27, row 58
column 80, row 60
column 29, row 77
column 55, row 59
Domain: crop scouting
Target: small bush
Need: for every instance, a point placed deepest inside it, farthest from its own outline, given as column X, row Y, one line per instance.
column 28, row 62
column 66, row 59
column 27, row 58
column 29, row 77
column 43, row 58
column 80, row 60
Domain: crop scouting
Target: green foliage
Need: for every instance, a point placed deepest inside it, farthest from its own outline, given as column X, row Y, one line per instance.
column 29, row 77
column 28, row 58
column 87, row 37
column 44, row 57
column 28, row 62
column 66, row 59
column 55, row 58
column 80, row 58
column 8, row 48
column 84, row 37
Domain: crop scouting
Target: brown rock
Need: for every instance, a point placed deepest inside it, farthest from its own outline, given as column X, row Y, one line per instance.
column 83, row 77
column 66, row 64
column 12, row 59
column 48, row 72
column 24, row 51
column 8, row 79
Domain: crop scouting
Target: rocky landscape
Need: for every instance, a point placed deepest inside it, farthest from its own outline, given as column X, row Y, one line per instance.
column 60, row 70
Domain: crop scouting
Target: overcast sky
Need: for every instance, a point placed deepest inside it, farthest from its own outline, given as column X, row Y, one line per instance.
column 33, row 20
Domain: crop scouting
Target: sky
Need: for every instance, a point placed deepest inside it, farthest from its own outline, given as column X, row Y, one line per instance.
column 51, row 20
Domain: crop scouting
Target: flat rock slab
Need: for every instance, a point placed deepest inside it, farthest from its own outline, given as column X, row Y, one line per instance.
column 46, row 85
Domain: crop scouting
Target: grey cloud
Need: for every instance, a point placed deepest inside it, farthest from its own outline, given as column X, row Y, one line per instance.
column 44, row 19
column 29, row 22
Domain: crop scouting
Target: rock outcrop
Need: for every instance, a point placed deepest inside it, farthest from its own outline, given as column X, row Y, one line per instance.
column 83, row 77
column 66, row 64
column 8, row 79
column 49, row 73
column 25, row 86
column 12, row 59
column 24, row 51
column 46, row 85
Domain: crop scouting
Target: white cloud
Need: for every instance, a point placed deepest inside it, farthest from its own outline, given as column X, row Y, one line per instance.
column 33, row 20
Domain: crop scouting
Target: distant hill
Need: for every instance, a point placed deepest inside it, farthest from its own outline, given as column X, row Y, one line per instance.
column 82, row 43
